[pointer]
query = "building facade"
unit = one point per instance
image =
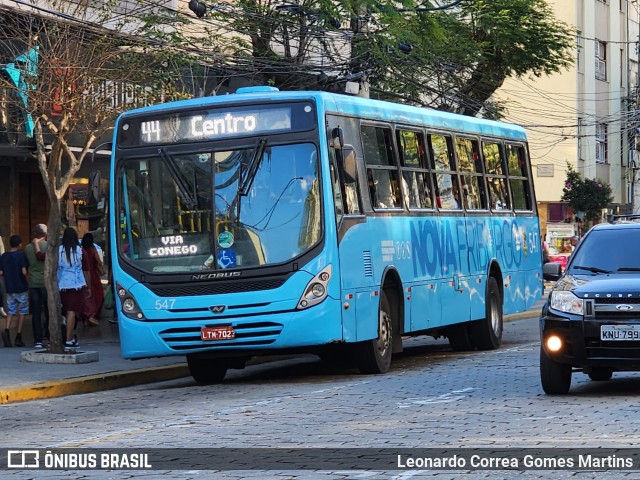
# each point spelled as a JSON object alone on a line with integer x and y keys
{"x": 584, "y": 116}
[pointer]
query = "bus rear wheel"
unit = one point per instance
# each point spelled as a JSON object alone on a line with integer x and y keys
{"x": 374, "y": 356}
{"x": 206, "y": 371}
{"x": 486, "y": 334}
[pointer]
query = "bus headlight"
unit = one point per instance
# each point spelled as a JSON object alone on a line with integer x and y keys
{"x": 130, "y": 307}
{"x": 316, "y": 290}
{"x": 567, "y": 302}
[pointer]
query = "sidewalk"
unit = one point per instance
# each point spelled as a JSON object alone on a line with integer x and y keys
{"x": 22, "y": 381}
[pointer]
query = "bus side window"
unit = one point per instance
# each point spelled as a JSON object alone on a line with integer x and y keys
{"x": 415, "y": 175}
{"x": 496, "y": 176}
{"x": 519, "y": 177}
{"x": 350, "y": 172}
{"x": 446, "y": 179}
{"x": 382, "y": 172}
{"x": 335, "y": 184}
{"x": 473, "y": 194}
{"x": 344, "y": 175}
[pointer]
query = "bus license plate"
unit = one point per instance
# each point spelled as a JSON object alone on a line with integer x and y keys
{"x": 620, "y": 332}
{"x": 217, "y": 333}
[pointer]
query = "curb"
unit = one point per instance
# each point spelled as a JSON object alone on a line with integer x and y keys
{"x": 92, "y": 383}
{"x": 534, "y": 313}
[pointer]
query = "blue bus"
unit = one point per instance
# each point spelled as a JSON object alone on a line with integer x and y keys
{"x": 275, "y": 222}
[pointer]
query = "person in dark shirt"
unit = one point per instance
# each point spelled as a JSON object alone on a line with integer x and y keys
{"x": 13, "y": 267}
{"x": 35, "y": 251}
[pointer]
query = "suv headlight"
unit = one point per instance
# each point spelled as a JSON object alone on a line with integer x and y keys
{"x": 567, "y": 302}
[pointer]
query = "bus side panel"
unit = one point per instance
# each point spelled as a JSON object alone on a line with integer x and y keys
{"x": 479, "y": 254}
{"x": 517, "y": 249}
{"x": 425, "y": 306}
{"x": 367, "y": 315}
{"x": 349, "y": 327}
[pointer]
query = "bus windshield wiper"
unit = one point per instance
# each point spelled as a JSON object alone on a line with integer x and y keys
{"x": 188, "y": 197}
{"x": 591, "y": 269}
{"x": 256, "y": 158}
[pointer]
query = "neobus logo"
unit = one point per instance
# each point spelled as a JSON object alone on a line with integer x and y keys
{"x": 213, "y": 276}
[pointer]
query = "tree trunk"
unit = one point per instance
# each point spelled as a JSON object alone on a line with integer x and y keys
{"x": 51, "y": 277}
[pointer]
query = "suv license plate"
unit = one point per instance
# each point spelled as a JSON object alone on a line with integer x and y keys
{"x": 620, "y": 332}
{"x": 217, "y": 333}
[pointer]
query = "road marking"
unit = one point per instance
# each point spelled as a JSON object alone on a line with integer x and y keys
{"x": 453, "y": 396}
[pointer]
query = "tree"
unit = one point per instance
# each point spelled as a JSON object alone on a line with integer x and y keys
{"x": 70, "y": 66}
{"x": 452, "y": 59}
{"x": 459, "y": 64}
{"x": 587, "y": 195}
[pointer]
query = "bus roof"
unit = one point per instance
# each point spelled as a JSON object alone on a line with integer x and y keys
{"x": 349, "y": 105}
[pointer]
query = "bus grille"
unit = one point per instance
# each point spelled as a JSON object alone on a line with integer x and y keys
{"x": 247, "y": 335}
{"x": 180, "y": 290}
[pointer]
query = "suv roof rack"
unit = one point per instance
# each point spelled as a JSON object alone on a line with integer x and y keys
{"x": 631, "y": 217}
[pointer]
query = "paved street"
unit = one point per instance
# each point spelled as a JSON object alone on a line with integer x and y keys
{"x": 431, "y": 398}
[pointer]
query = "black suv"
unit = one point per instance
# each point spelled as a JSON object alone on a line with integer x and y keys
{"x": 591, "y": 320}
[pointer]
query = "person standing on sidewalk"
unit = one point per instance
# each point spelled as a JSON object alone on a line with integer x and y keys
{"x": 35, "y": 252}
{"x": 3, "y": 313}
{"x": 73, "y": 279}
{"x": 13, "y": 267}
{"x": 96, "y": 271}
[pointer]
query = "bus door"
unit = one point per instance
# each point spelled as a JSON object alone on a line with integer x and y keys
{"x": 454, "y": 289}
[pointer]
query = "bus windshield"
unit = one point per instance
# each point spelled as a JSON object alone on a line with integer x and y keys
{"x": 240, "y": 208}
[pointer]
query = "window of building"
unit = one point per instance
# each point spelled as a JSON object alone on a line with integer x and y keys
{"x": 579, "y": 52}
{"x": 633, "y": 75}
{"x": 601, "y": 143}
{"x": 580, "y": 137}
{"x": 601, "y": 60}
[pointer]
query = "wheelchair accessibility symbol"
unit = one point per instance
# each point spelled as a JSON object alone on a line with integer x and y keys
{"x": 226, "y": 258}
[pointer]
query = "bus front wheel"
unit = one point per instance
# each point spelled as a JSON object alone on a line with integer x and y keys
{"x": 206, "y": 371}
{"x": 374, "y": 356}
{"x": 486, "y": 334}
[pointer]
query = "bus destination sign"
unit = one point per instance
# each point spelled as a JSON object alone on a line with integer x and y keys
{"x": 214, "y": 125}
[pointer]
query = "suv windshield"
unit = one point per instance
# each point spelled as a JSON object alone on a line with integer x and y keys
{"x": 217, "y": 210}
{"x": 607, "y": 251}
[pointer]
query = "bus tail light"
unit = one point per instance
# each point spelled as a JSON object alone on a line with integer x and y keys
{"x": 129, "y": 306}
{"x": 316, "y": 290}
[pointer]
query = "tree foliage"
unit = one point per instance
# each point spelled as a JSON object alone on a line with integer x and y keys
{"x": 452, "y": 59}
{"x": 586, "y": 195}
{"x": 71, "y": 90}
